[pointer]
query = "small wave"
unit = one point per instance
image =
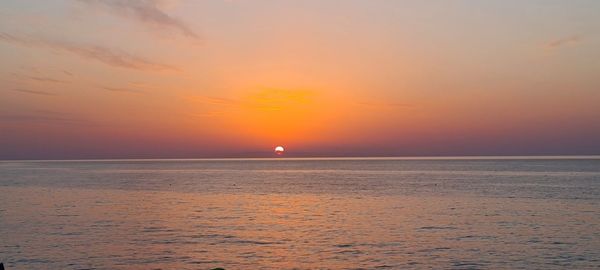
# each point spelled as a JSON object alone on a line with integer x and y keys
{"x": 437, "y": 228}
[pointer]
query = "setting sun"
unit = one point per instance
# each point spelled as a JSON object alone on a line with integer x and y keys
{"x": 279, "y": 150}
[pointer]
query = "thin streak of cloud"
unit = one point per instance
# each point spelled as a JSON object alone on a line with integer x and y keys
{"x": 30, "y": 69}
{"x": 147, "y": 11}
{"x": 215, "y": 100}
{"x": 44, "y": 79}
{"x": 45, "y": 119}
{"x": 564, "y": 41}
{"x": 139, "y": 85}
{"x": 46, "y": 112}
{"x": 124, "y": 90}
{"x": 105, "y": 55}
{"x": 38, "y": 78}
{"x": 34, "y": 92}
{"x": 208, "y": 114}
{"x": 384, "y": 104}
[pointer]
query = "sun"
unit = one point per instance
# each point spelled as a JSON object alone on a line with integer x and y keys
{"x": 279, "y": 150}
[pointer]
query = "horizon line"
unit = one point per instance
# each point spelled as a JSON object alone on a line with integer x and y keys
{"x": 458, "y": 157}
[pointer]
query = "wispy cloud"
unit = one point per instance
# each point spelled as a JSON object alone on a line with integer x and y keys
{"x": 125, "y": 90}
{"x": 277, "y": 99}
{"x": 45, "y": 79}
{"x": 208, "y": 114}
{"x": 46, "y": 117}
{"x": 51, "y": 112}
{"x": 105, "y": 55}
{"x": 383, "y": 104}
{"x": 34, "y": 92}
{"x": 38, "y": 78}
{"x": 39, "y": 118}
{"x": 564, "y": 41}
{"x": 214, "y": 100}
{"x": 146, "y": 11}
{"x": 140, "y": 85}
{"x": 214, "y": 106}
{"x": 268, "y": 99}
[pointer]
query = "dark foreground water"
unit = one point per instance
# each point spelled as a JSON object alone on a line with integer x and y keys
{"x": 301, "y": 214}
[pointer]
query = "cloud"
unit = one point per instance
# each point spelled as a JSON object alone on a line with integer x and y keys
{"x": 38, "y": 78}
{"x": 34, "y": 92}
{"x": 224, "y": 105}
{"x": 214, "y": 100}
{"x": 38, "y": 118}
{"x": 116, "y": 89}
{"x": 105, "y": 55}
{"x": 50, "y": 112}
{"x": 46, "y": 117}
{"x": 274, "y": 99}
{"x": 208, "y": 114}
{"x": 146, "y": 11}
{"x": 383, "y": 104}
{"x": 44, "y": 79}
{"x": 564, "y": 41}
{"x": 267, "y": 99}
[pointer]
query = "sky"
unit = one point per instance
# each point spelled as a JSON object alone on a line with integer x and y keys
{"x": 196, "y": 79}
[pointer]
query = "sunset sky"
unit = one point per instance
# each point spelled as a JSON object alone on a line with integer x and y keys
{"x": 184, "y": 79}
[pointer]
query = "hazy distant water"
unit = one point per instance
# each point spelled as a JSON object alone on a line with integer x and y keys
{"x": 301, "y": 214}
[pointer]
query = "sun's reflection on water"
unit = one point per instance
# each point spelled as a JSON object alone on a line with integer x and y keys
{"x": 165, "y": 229}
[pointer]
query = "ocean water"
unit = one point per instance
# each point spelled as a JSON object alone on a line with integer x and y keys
{"x": 456, "y": 213}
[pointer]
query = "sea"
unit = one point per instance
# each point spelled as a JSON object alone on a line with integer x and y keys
{"x": 302, "y": 213}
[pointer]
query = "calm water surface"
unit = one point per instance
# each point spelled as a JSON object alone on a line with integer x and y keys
{"x": 301, "y": 214}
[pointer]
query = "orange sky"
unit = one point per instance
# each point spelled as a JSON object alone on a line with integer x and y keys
{"x": 119, "y": 78}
